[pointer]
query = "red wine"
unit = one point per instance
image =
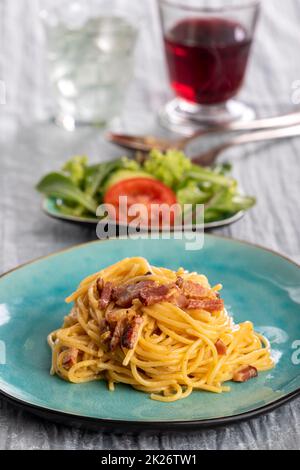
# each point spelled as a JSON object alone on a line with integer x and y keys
{"x": 207, "y": 59}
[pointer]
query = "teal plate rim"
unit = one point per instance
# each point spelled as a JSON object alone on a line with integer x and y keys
{"x": 115, "y": 425}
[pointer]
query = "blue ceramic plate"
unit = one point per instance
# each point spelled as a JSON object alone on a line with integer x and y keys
{"x": 258, "y": 285}
{"x": 50, "y": 208}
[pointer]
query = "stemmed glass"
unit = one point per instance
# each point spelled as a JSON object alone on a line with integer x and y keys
{"x": 207, "y": 45}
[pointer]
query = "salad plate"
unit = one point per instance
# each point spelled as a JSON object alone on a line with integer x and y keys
{"x": 166, "y": 180}
{"x": 258, "y": 285}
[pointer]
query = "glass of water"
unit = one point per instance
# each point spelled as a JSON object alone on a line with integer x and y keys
{"x": 90, "y": 48}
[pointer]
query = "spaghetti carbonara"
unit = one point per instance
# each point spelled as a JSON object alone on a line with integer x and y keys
{"x": 163, "y": 332}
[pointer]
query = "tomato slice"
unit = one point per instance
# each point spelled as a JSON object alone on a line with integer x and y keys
{"x": 147, "y": 192}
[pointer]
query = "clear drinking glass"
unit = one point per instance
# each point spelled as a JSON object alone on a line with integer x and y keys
{"x": 207, "y": 45}
{"x": 90, "y": 47}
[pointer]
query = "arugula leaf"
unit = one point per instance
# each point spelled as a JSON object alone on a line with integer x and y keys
{"x": 199, "y": 174}
{"x": 59, "y": 186}
{"x": 97, "y": 175}
{"x": 192, "y": 194}
{"x": 225, "y": 203}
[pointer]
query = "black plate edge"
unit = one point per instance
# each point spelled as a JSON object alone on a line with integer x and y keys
{"x": 118, "y": 426}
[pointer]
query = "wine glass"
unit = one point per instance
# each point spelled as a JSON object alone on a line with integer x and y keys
{"x": 207, "y": 52}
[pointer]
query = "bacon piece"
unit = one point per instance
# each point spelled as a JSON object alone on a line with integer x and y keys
{"x": 116, "y": 321}
{"x": 117, "y": 334}
{"x": 211, "y": 305}
{"x": 152, "y": 295}
{"x": 70, "y": 357}
{"x": 105, "y": 292}
{"x": 179, "y": 281}
{"x": 184, "y": 294}
{"x": 221, "y": 347}
{"x": 181, "y": 301}
{"x": 244, "y": 374}
{"x": 194, "y": 290}
{"x": 131, "y": 332}
{"x": 148, "y": 292}
{"x": 72, "y": 318}
{"x": 105, "y": 296}
{"x": 113, "y": 316}
{"x": 103, "y": 326}
{"x": 124, "y": 295}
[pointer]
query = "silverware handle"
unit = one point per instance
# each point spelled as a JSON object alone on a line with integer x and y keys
{"x": 275, "y": 122}
{"x": 209, "y": 157}
{"x": 290, "y": 119}
{"x": 259, "y": 136}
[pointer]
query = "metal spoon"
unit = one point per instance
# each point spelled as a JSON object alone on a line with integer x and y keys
{"x": 146, "y": 143}
{"x": 209, "y": 157}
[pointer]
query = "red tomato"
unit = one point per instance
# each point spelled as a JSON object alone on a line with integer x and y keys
{"x": 144, "y": 191}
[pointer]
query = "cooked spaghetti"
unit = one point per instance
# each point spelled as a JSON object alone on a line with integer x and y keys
{"x": 163, "y": 332}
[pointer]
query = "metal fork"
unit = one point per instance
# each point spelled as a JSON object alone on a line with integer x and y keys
{"x": 209, "y": 157}
{"x": 147, "y": 142}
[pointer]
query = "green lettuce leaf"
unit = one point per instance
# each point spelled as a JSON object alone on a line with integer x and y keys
{"x": 170, "y": 168}
{"x": 59, "y": 186}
